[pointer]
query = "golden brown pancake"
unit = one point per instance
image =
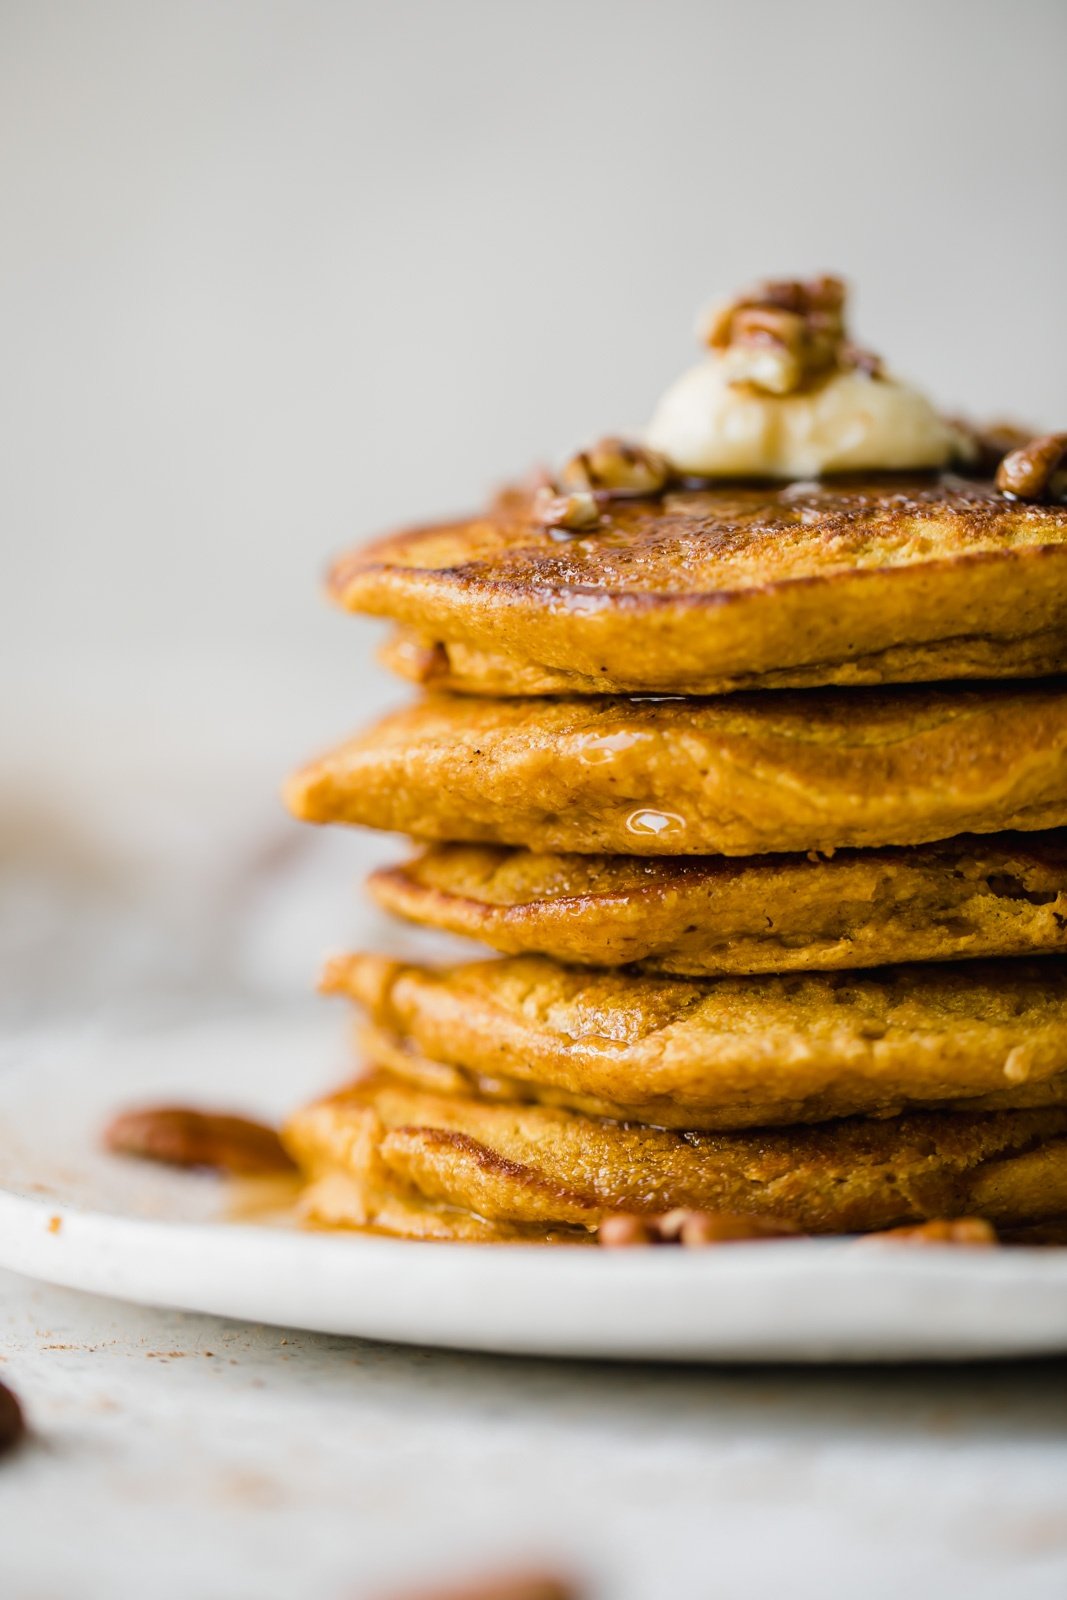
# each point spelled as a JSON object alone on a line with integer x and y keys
{"x": 847, "y": 581}
{"x": 1003, "y": 895}
{"x": 724, "y": 1052}
{"x": 741, "y": 775}
{"x": 459, "y": 668}
{"x": 382, "y": 1152}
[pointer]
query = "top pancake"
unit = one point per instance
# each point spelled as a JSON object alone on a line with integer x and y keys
{"x": 885, "y": 579}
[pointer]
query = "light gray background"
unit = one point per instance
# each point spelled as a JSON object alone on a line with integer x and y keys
{"x": 276, "y": 276}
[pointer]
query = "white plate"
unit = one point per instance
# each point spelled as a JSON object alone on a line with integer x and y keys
{"x": 72, "y": 1216}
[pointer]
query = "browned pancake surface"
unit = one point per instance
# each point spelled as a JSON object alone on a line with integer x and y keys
{"x": 871, "y": 580}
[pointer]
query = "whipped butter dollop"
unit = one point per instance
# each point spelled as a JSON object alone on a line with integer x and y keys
{"x": 782, "y": 393}
{"x": 712, "y": 427}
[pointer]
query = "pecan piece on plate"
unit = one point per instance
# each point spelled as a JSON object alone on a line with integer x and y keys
{"x": 180, "y": 1136}
{"x": 624, "y": 1229}
{"x": 12, "y": 1422}
{"x": 970, "y": 1231}
{"x": 502, "y": 1586}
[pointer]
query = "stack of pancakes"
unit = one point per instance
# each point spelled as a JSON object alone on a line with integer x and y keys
{"x": 757, "y": 791}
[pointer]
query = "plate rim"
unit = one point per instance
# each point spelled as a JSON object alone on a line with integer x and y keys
{"x": 118, "y": 1255}
{"x": 152, "y": 1236}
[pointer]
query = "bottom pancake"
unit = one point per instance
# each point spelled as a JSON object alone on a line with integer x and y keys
{"x": 384, "y": 1154}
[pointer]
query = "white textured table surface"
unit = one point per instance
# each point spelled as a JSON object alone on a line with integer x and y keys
{"x": 177, "y": 1455}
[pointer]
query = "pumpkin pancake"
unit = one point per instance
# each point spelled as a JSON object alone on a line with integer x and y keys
{"x": 1004, "y": 895}
{"x": 847, "y": 581}
{"x": 740, "y": 775}
{"x": 725, "y": 1052}
{"x": 459, "y": 668}
{"x": 398, "y": 1055}
{"x": 380, "y": 1152}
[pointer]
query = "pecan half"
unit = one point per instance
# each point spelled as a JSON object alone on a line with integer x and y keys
{"x": 505, "y": 1586}
{"x": 625, "y": 1229}
{"x": 613, "y": 469}
{"x": 577, "y": 512}
{"x": 1032, "y": 471}
{"x": 180, "y": 1136}
{"x": 787, "y": 333}
{"x": 972, "y": 1231}
{"x": 618, "y": 468}
{"x": 12, "y": 1422}
{"x": 767, "y": 350}
{"x": 721, "y": 1227}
